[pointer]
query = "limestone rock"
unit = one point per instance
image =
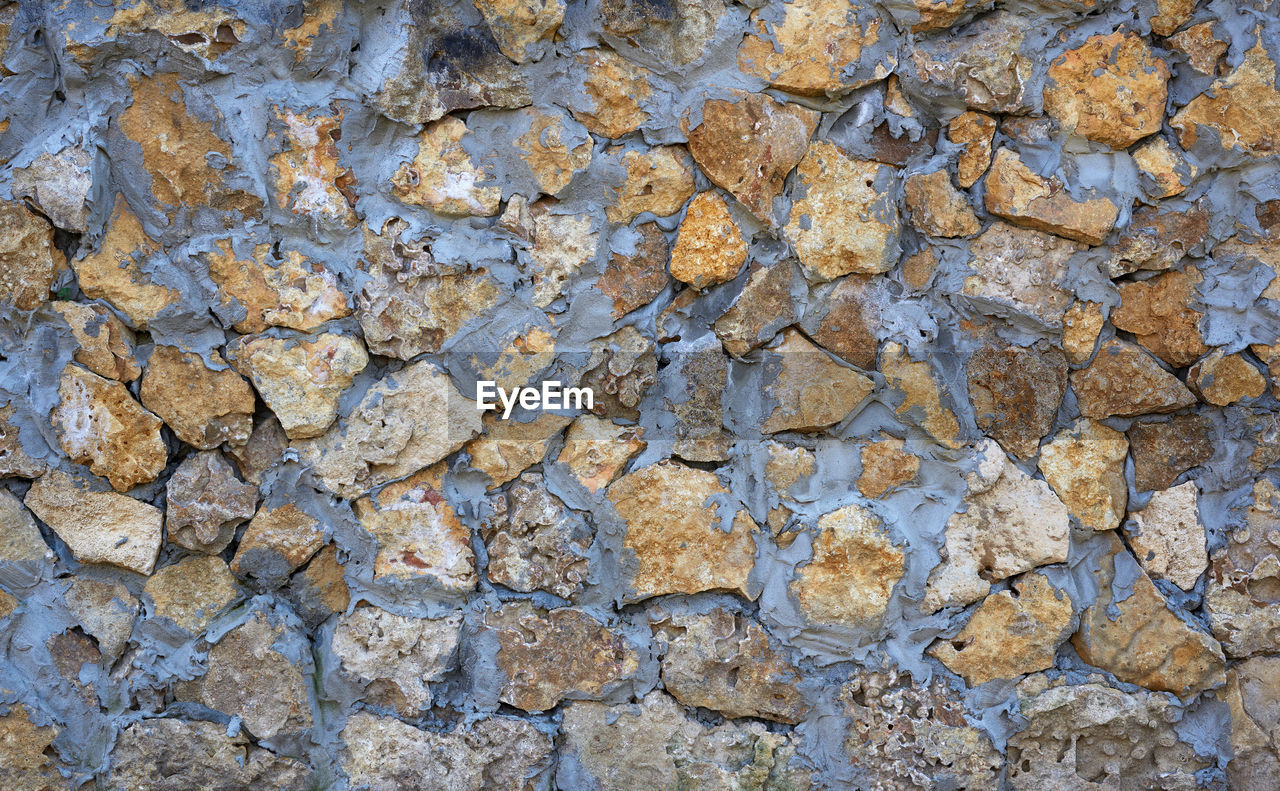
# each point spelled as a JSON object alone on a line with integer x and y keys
{"x": 1145, "y": 643}
{"x": 1093, "y": 736}
{"x": 1171, "y": 15}
{"x": 937, "y": 208}
{"x": 21, "y": 543}
{"x": 816, "y": 48}
{"x": 886, "y": 465}
{"x": 191, "y": 592}
{"x": 1242, "y": 597}
{"x": 562, "y": 245}
{"x": 1124, "y": 380}
{"x": 520, "y": 27}
{"x": 1222, "y": 379}
{"x": 276, "y": 543}
{"x": 1167, "y": 171}
{"x": 99, "y": 424}
{"x": 166, "y": 754}
{"x": 926, "y": 15}
{"x": 615, "y": 89}
{"x": 106, "y": 344}
{"x": 676, "y": 34}
{"x": 534, "y": 541}
{"x": 675, "y": 534}
{"x": 1110, "y": 89}
{"x": 659, "y": 180}
{"x": 1201, "y": 46}
{"x": 310, "y": 181}
{"x": 728, "y": 663}
{"x": 274, "y": 288}
{"x": 417, "y": 532}
{"x": 1168, "y": 537}
{"x": 709, "y": 248}
{"x": 1021, "y": 272}
{"x": 1159, "y": 314}
{"x": 975, "y": 132}
{"x": 1011, "y": 524}
{"x": 850, "y": 578}
{"x": 1084, "y": 464}
{"x": 1163, "y": 451}
{"x": 300, "y": 380}
{"x": 319, "y": 590}
{"x": 843, "y": 317}
{"x": 1158, "y": 239}
{"x": 747, "y": 147}
{"x": 845, "y": 222}
{"x": 550, "y": 655}
{"x": 983, "y": 66}
{"x": 1255, "y": 710}
{"x": 442, "y": 176}
{"x": 14, "y": 461}
{"x": 1081, "y": 325}
{"x": 634, "y": 280}
{"x": 26, "y": 753}
{"x": 206, "y": 503}
{"x": 653, "y": 744}
{"x": 554, "y": 147}
{"x": 204, "y": 406}
{"x": 58, "y": 185}
{"x": 1010, "y": 633}
{"x": 394, "y": 656}
{"x": 508, "y": 448}
{"x": 106, "y": 610}
{"x": 1023, "y": 197}
{"x": 922, "y": 400}
{"x": 98, "y": 527}
{"x": 596, "y": 450}
{"x": 385, "y": 754}
{"x": 763, "y": 308}
{"x": 905, "y": 736}
{"x": 1016, "y": 392}
{"x": 1242, "y": 108}
{"x": 114, "y": 273}
{"x": 406, "y": 421}
{"x": 786, "y": 466}
{"x": 811, "y": 391}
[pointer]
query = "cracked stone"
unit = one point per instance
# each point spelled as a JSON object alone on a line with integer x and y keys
{"x": 850, "y": 578}
{"x": 1159, "y": 314}
{"x": 164, "y": 754}
{"x": 205, "y": 503}
{"x": 1168, "y": 537}
{"x": 1167, "y": 171}
{"x": 1222, "y": 379}
{"x": 28, "y": 259}
{"x": 1023, "y": 197}
{"x": 98, "y": 527}
{"x": 815, "y": 49}
{"x": 975, "y": 132}
{"x": 100, "y": 425}
{"x": 1255, "y": 710}
{"x": 596, "y": 450}
{"x": 1016, "y": 393}
{"x": 264, "y": 448}
{"x": 1158, "y": 239}
{"x": 204, "y": 406}
{"x": 1111, "y": 89}
{"x": 191, "y": 592}
{"x": 521, "y": 27}
{"x": 811, "y": 391}
{"x": 843, "y": 317}
{"x": 319, "y": 590}
{"x": 534, "y": 541}
{"x": 508, "y": 448}
{"x": 58, "y": 185}
{"x": 1021, "y": 272}
{"x": 396, "y": 657}
{"x": 1084, "y": 464}
{"x": 1125, "y": 381}
{"x": 763, "y": 308}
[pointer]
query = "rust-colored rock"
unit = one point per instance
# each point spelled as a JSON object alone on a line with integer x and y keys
{"x": 596, "y": 450}
{"x": 442, "y": 176}
{"x": 1203, "y": 48}
{"x": 658, "y": 180}
{"x": 763, "y": 308}
{"x": 1084, "y": 463}
{"x": 1016, "y": 393}
{"x": 1110, "y": 89}
{"x": 1221, "y": 379}
{"x": 850, "y": 578}
{"x": 1242, "y": 108}
{"x": 106, "y": 344}
{"x": 274, "y": 288}
{"x": 709, "y": 248}
{"x": 521, "y": 27}
{"x": 1081, "y": 325}
{"x": 937, "y": 208}
{"x": 1159, "y": 314}
{"x": 1163, "y": 451}
{"x": 615, "y": 91}
{"x": 1171, "y": 15}
{"x": 554, "y": 147}
{"x": 1158, "y": 239}
{"x": 974, "y": 131}
{"x": 99, "y": 424}
{"x": 509, "y": 447}
{"x": 1023, "y": 197}
{"x": 634, "y": 280}
{"x": 886, "y": 465}
{"x": 922, "y": 395}
{"x": 843, "y": 317}
{"x": 28, "y": 259}
{"x": 114, "y": 271}
{"x": 814, "y": 48}
{"x": 204, "y": 406}
{"x": 310, "y": 181}
{"x": 1125, "y": 381}
{"x": 1166, "y": 170}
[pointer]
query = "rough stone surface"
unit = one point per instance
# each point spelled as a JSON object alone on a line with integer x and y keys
{"x": 1023, "y": 197}
{"x": 1084, "y": 463}
{"x": 1081, "y": 325}
{"x": 1157, "y": 239}
{"x": 1168, "y": 537}
{"x": 922, "y": 397}
{"x": 442, "y": 176}
{"x": 1021, "y": 273}
{"x": 1015, "y": 393}
{"x": 191, "y": 592}
{"x": 634, "y": 280}
{"x": 1166, "y": 167}
{"x": 508, "y": 448}
{"x": 984, "y": 67}
{"x": 763, "y": 307}
{"x": 844, "y": 316}
{"x": 851, "y": 576}
{"x": 709, "y": 248}
{"x": 174, "y": 754}
{"x": 534, "y": 541}
{"x": 100, "y": 425}
{"x": 58, "y": 186}
{"x": 658, "y": 180}
{"x": 28, "y": 258}
{"x": 1124, "y": 380}
{"x": 98, "y": 527}
{"x": 276, "y": 543}
{"x": 1111, "y": 89}
{"x": 937, "y": 208}
{"x": 1164, "y": 450}
{"x": 811, "y": 390}
{"x": 886, "y": 466}
{"x": 1251, "y": 696}
{"x": 1160, "y": 315}
{"x": 1222, "y": 379}
{"x": 205, "y": 503}
{"x": 814, "y": 48}
{"x": 113, "y": 271}
{"x": 106, "y": 344}
{"x": 14, "y": 461}
{"x": 394, "y": 656}
{"x": 596, "y": 450}
{"x": 615, "y": 89}
{"x": 204, "y": 406}
{"x": 1244, "y": 577}
{"x": 274, "y": 288}
{"x": 975, "y": 132}
{"x": 1241, "y": 108}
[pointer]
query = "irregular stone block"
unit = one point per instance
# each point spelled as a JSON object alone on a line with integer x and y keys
{"x": 1016, "y": 393}
{"x": 1242, "y": 597}
{"x": 1021, "y": 272}
{"x": 1159, "y": 314}
{"x": 100, "y": 425}
{"x": 709, "y": 247}
{"x": 811, "y": 391}
{"x": 206, "y": 503}
{"x": 534, "y": 541}
{"x": 395, "y": 656}
{"x": 175, "y": 755}
{"x": 204, "y": 406}
{"x": 191, "y": 592}
{"x": 98, "y": 527}
{"x": 1023, "y": 197}
{"x": 1084, "y": 463}
{"x": 922, "y": 396}
{"x": 274, "y": 288}
{"x": 1110, "y": 89}
{"x": 106, "y": 344}
{"x": 276, "y": 543}
{"x": 854, "y": 568}
{"x": 1125, "y": 381}
{"x": 1242, "y": 108}
{"x": 816, "y": 49}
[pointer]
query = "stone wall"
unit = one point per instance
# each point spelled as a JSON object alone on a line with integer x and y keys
{"x": 936, "y": 346}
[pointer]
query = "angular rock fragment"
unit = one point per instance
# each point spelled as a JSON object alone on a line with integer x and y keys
{"x": 395, "y": 656}
{"x": 165, "y": 754}
{"x": 1016, "y": 393}
{"x": 442, "y": 176}
{"x": 106, "y": 344}
{"x": 562, "y": 245}
{"x": 58, "y": 185}
{"x": 1081, "y": 325}
{"x": 1158, "y": 239}
{"x": 843, "y": 317}
{"x": 886, "y": 465}
{"x": 205, "y": 503}
{"x": 508, "y": 447}
{"x": 763, "y": 308}
{"x": 1166, "y": 170}
{"x": 850, "y": 578}
{"x": 974, "y": 131}
{"x": 1023, "y": 197}
{"x": 1242, "y": 597}
{"x": 98, "y": 527}
{"x": 534, "y": 541}
{"x": 319, "y": 590}
{"x": 106, "y": 610}
{"x": 14, "y": 461}
{"x": 1222, "y": 379}
{"x": 596, "y": 450}
{"x": 276, "y": 543}
{"x": 815, "y": 49}
{"x": 1124, "y": 380}
{"x": 28, "y": 259}
{"x": 709, "y": 248}
{"x": 1159, "y": 314}
{"x": 310, "y": 181}
{"x": 100, "y": 425}
{"x": 1168, "y": 537}
{"x": 1202, "y": 47}
{"x": 1163, "y": 451}
{"x": 615, "y": 89}
{"x": 937, "y": 208}
{"x": 633, "y": 280}
{"x": 1084, "y": 463}
{"x": 519, "y": 28}
{"x": 786, "y": 466}
{"x": 191, "y": 592}
{"x": 1255, "y": 710}
{"x": 1110, "y": 89}
{"x": 204, "y": 406}
{"x": 274, "y": 288}
{"x": 811, "y": 391}
{"x": 1242, "y": 109}
{"x": 675, "y": 35}
{"x": 658, "y": 180}
{"x": 1021, "y": 272}
{"x": 673, "y": 516}
{"x": 922, "y": 400}
{"x": 983, "y": 66}
{"x": 300, "y": 380}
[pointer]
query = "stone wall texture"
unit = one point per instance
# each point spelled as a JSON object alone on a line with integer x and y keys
{"x": 936, "y": 354}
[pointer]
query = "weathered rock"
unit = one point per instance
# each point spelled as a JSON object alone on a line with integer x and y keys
{"x": 310, "y": 181}
{"x": 27, "y": 761}
{"x": 786, "y": 466}
{"x": 634, "y": 280}
{"x": 728, "y": 663}
{"x": 14, "y": 461}
{"x": 1124, "y": 380}
{"x": 320, "y": 590}
{"x": 418, "y": 533}
{"x": 886, "y": 465}
{"x": 1156, "y": 239}
{"x": 937, "y": 208}
{"x": 1092, "y": 736}
{"x": 508, "y": 448}
{"x": 191, "y": 592}
{"x": 1242, "y": 597}
{"x": 843, "y": 317}
{"x": 845, "y": 221}
{"x": 175, "y": 755}
{"x": 1022, "y": 273}
{"x": 1110, "y": 89}
{"x": 1010, "y": 633}
{"x": 1084, "y": 464}
{"x": 1011, "y": 524}
{"x": 1222, "y": 379}
{"x": 653, "y": 744}
{"x": 850, "y": 578}
{"x": 1159, "y": 314}
{"x": 534, "y": 541}
{"x": 1023, "y": 197}
{"x": 300, "y": 380}
{"x": 550, "y": 655}
{"x": 762, "y": 309}
{"x": 1016, "y": 393}
{"x": 395, "y": 657}
{"x": 1130, "y": 632}
{"x": 1171, "y": 15}
{"x": 205, "y": 406}
{"x": 406, "y": 421}
{"x": 98, "y": 527}
{"x": 99, "y": 424}
{"x": 676, "y": 34}
{"x": 905, "y": 736}
{"x": 276, "y": 543}
{"x": 747, "y": 147}
{"x": 675, "y": 533}
{"x": 1163, "y": 451}
{"x": 815, "y": 49}
{"x": 21, "y": 543}
{"x": 385, "y": 754}
{"x": 811, "y": 391}
{"x": 1242, "y": 108}
{"x": 614, "y": 90}
{"x": 562, "y": 245}
{"x": 274, "y": 288}
{"x": 922, "y": 401}
{"x": 983, "y": 66}
{"x": 1255, "y": 710}
{"x": 1167, "y": 171}
{"x": 442, "y": 176}
{"x": 658, "y": 180}
{"x": 1201, "y": 46}
{"x": 205, "y": 503}
{"x": 1168, "y": 537}
{"x": 58, "y": 185}
{"x": 709, "y": 248}
{"x": 106, "y": 344}
{"x": 596, "y": 450}
{"x": 554, "y": 147}
{"x": 975, "y": 132}
{"x": 106, "y": 610}
{"x": 1081, "y": 325}
{"x": 520, "y": 28}
{"x": 114, "y": 273}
